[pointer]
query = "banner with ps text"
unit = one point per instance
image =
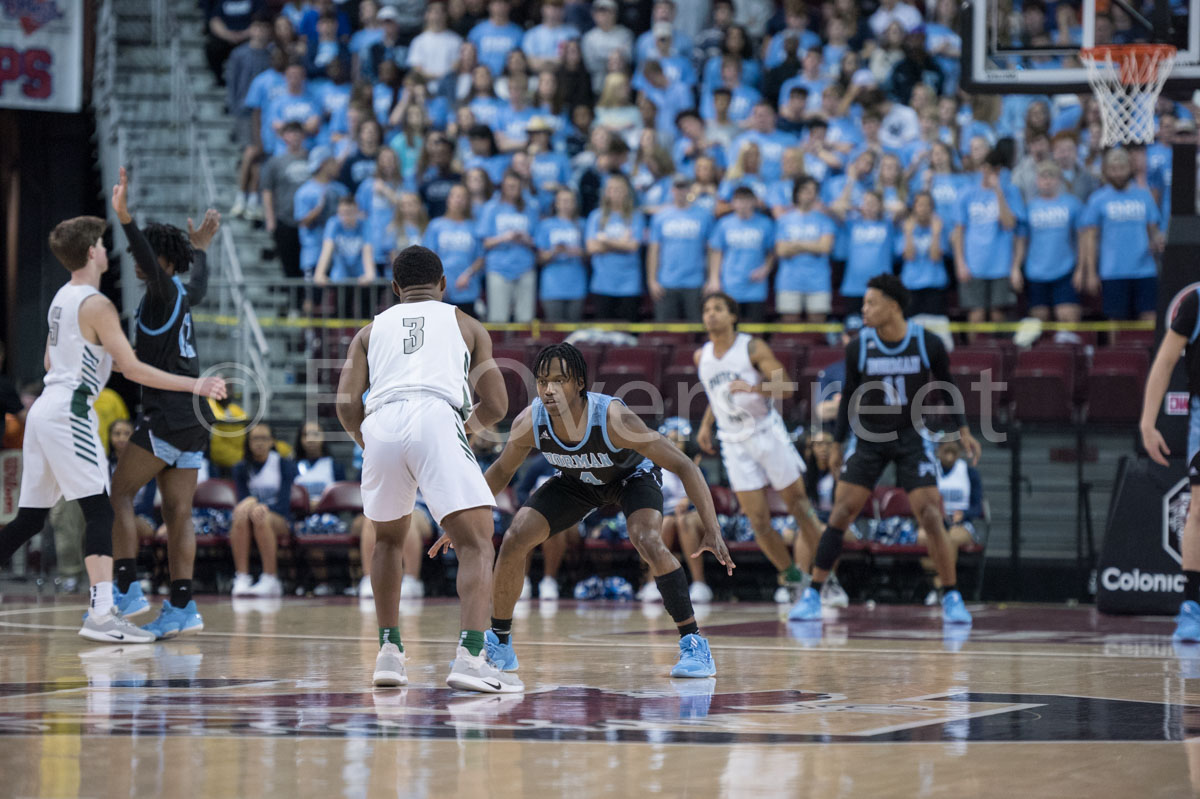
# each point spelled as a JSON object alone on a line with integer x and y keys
{"x": 41, "y": 54}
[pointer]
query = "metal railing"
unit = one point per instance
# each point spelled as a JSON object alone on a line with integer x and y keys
{"x": 227, "y": 294}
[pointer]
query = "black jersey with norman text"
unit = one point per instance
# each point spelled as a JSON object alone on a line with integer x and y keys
{"x": 891, "y": 375}
{"x": 594, "y": 460}
{"x": 165, "y": 337}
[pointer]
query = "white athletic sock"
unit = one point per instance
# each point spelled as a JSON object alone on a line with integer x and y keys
{"x": 102, "y": 598}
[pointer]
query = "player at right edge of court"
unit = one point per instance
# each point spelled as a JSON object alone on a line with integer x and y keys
{"x": 890, "y": 365}
{"x": 1180, "y": 339}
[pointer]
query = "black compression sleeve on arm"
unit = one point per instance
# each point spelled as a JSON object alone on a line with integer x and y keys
{"x": 198, "y": 283}
{"x": 159, "y": 286}
{"x": 849, "y": 386}
{"x": 939, "y": 366}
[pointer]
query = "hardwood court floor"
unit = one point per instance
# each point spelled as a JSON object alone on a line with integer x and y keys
{"x": 276, "y": 701}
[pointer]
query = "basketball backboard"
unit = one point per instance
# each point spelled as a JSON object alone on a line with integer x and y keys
{"x": 1010, "y": 47}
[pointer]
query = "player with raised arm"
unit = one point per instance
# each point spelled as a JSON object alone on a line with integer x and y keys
{"x": 172, "y": 431}
{"x": 420, "y": 360}
{"x": 892, "y": 366}
{"x": 605, "y": 455}
{"x": 62, "y": 453}
{"x": 743, "y": 379}
{"x": 1180, "y": 340}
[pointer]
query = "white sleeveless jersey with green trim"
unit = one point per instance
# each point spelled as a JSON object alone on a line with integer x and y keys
{"x": 78, "y": 368}
{"x": 417, "y": 349}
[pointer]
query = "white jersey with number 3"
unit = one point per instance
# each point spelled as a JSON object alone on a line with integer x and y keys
{"x": 416, "y": 349}
{"x": 738, "y": 415}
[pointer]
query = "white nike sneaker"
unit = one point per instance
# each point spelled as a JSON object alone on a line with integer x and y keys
{"x": 365, "y": 591}
{"x": 412, "y": 588}
{"x": 242, "y": 583}
{"x": 239, "y": 207}
{"x": 649, "y": 593}
{"x": 526, "y": 589}
{"x": 389, "y": 667}
{"x": 475, "y": 673}
{"x": 548, "y": 588}
{"x": 267, "y": 585}
{"x": 113, "y": 627}
{"x": 700, "y": 593}
{"x": 254, "y": 209}
{"x": 783, "y": 595}
{"x": 833, "y": 595}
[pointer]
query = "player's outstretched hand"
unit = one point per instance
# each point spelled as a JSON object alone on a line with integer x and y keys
{"x": 711, "y": 541}
{"x": 120, "y": 198}
{"x": 441, "y": 545}
{"x": 1156, "y": 446}
{"x": 213, "y": 387}
{"x": 202, "y": 237}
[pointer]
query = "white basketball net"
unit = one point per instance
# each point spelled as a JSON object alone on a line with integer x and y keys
{"x": 1127, "y": 82}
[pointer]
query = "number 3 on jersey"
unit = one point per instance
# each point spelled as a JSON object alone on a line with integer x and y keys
{"x": 416, "y": 334}
{"x": 893, "y": 390}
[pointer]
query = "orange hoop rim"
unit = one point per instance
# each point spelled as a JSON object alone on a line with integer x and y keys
{"x": 1130, "y": 58}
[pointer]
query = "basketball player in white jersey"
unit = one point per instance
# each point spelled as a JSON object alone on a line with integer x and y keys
{"x": 419, "y": 361}
{"x": 742, "y": 379}
{"x": 61, "y": 453}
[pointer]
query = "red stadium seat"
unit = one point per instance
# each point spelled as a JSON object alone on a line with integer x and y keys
{"x": 894, "y": 502}
{"x": 1042, "y": 387}
{"x": 299, "y": 501}
{"x": 669, "y": 340}
{"x": 724, "y": 500}
{"x": 967, "y": 366}
{"x": 682, "y": 394}
{"x": 341, "y": 497}
{"x": 638, "y": 360}
{"x": 783, "y": 341}
{"x": 216, "y": 494}
{"x": 1115, "y": 383}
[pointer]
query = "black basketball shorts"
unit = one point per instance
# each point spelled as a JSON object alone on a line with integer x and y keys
{"x": 564, "y": 501}
{"x": 916, "y": 466}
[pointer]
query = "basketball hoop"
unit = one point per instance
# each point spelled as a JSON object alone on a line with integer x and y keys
{"x": 1127, "y": 79}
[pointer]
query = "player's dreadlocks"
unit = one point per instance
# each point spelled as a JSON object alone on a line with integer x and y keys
{"x": 574, "y": 366}
{"x": 171, "y": 243}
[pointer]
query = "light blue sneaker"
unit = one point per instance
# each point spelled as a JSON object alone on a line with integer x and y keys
{"x": 173, "y": 621}
{"x": 808, "y": 608}
{"x": 133, "y": 602}
{"x": 695, "y": 659}
{"x": 953, "y": 609}
{"x": 502, "y": 656}
{"x": 1187, "y": 623}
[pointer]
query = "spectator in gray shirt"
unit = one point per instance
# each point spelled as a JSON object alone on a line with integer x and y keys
{"x": 1064, "y": 149}
{"x": 603, "y": 39}
{"x": 281, "y": 176}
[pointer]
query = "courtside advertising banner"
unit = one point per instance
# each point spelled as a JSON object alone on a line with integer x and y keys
{"x": 41, "y": 54}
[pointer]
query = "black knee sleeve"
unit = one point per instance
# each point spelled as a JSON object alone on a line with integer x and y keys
{"x": 28, "y": 523}
{"x": 98, "y": 525}
{"x": 830, "y": 548}
{"x": 674, "y": 590}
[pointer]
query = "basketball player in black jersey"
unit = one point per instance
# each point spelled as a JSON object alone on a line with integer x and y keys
{"x": 1180, "y": 339}
{"x": 891, "y": 365}
{"x": 605, "y": 455}
{"x": 172, "y": 432}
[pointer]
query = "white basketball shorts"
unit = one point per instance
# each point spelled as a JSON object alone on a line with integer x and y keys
{"x": 419, "y": 443}
{"x": 766, "y": 457}
{"x": 61, "y": 455}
